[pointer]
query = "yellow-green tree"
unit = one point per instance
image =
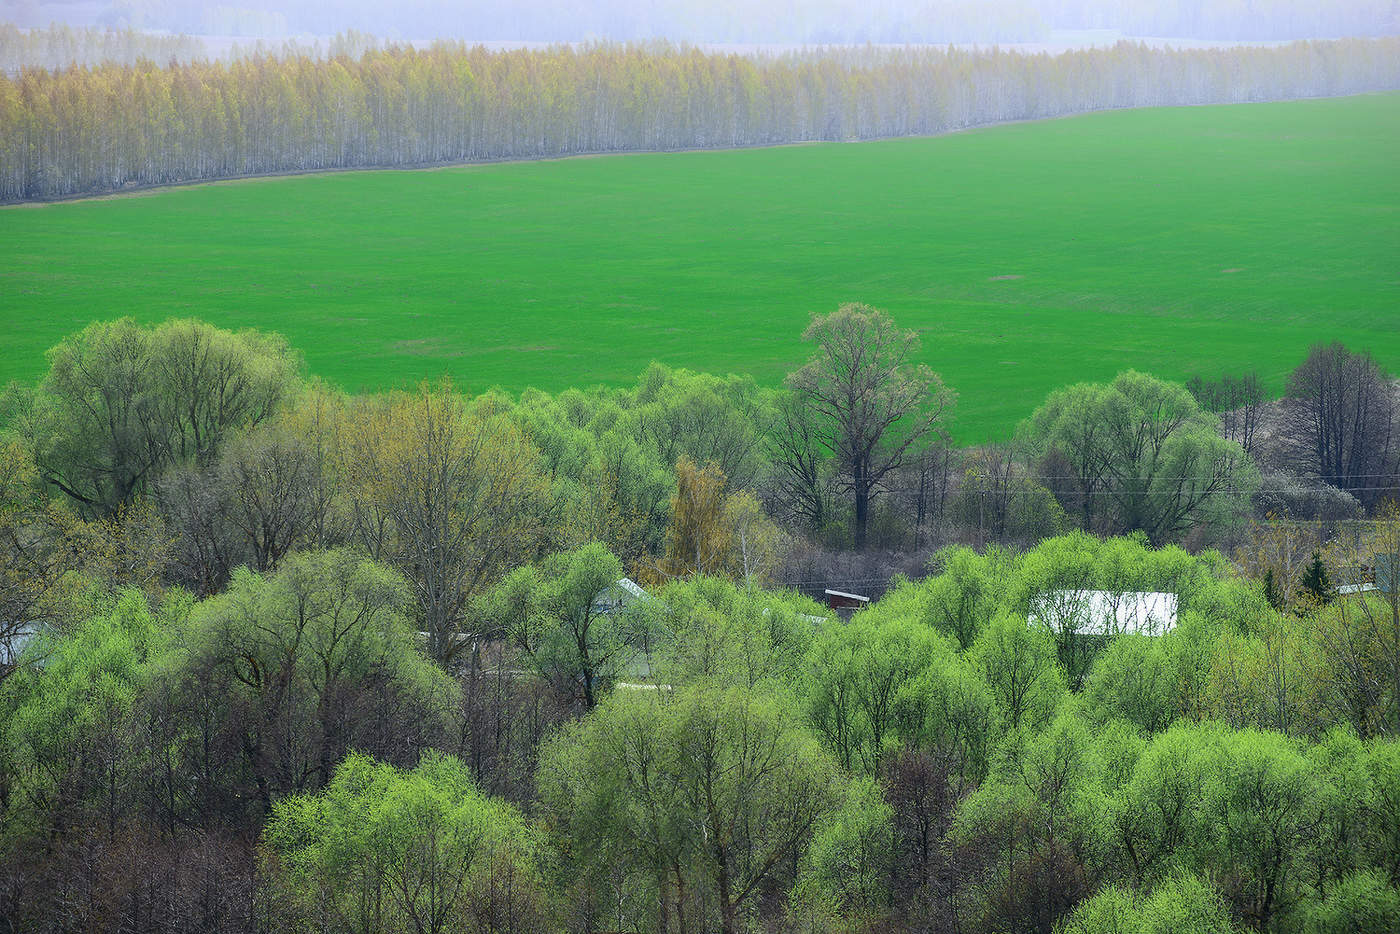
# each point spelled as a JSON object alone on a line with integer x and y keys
{"x": 712, "y": 532}
{"x": 450, "y": 493}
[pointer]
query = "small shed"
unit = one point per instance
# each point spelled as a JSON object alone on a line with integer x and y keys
{"x": 845, "y": 603}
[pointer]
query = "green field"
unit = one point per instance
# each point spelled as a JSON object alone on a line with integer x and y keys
{"x": 1029, "y": 256}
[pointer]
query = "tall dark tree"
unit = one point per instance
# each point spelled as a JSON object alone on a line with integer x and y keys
{"x": 797, "y": 453}
{"x": 874, "y": 404}
{"x": 1343, "y": 420}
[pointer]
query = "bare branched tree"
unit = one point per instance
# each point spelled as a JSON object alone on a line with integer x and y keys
{"x": 874, "y": 403}
{"x": 1341, "y": 421}
{"x": 1237, "y": 400}
{"x": 451, "y": 496}
{"x": 795, "y": 447}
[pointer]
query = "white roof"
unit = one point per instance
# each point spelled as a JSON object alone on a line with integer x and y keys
{"x": 618, "y": 595}
{"x": 633, "y": 588}
{"x": 1357, "y": 588}
{"x": 814, "y": 620}
{"x": 1106, "y": 612}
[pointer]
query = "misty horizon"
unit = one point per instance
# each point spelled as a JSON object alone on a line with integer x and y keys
{"x": 1042, "y": 25}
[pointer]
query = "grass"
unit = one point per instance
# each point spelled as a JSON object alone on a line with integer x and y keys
{"x": 1029, "y": 256}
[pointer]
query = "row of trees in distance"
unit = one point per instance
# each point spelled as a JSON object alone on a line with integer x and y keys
{"x": 85, "y": 130}
{"x": 61, "y": 47}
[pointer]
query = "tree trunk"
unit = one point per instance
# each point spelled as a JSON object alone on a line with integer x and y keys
{"x": 861, "y": 487}
{"x": 728, "y": 915}
{"x": 680, "y": 899}
{"x": 585, "y": 667}
{"x": 663, "y": 905}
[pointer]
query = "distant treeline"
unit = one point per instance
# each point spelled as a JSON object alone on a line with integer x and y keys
{"x": 61, "y": 46}
{"x": 58, "y": 47}
{"x": 93, "y": 130}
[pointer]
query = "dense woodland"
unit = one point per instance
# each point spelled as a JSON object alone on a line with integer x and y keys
{"x": 279, "y": 658}
{"x": 86, "y": 130}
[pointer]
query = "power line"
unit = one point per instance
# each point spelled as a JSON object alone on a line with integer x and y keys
{"x": 841, "y": 580}
{"x": 1099, "y": 489}
{"x": 1389, "y": 475}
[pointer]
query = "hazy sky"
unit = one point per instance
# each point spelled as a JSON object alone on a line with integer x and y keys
{"x": 756, "y": 21}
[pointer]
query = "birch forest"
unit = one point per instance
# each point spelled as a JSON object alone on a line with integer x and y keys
{"x": 86, "y": 130}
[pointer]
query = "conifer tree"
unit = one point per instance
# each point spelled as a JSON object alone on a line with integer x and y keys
{"x": 1316, "y": 582}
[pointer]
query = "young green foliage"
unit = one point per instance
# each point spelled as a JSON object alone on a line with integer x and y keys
{"x": 693, "y": 802}
{"x": 383, "y": 851}
{"x": 295, "y": 668}
{"x": 566, "y": 616}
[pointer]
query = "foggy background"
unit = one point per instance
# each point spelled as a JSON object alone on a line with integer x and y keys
{"x": 1053, "y": 23}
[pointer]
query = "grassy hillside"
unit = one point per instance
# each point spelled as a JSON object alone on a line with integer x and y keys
{"x": 1175, "y": 241}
